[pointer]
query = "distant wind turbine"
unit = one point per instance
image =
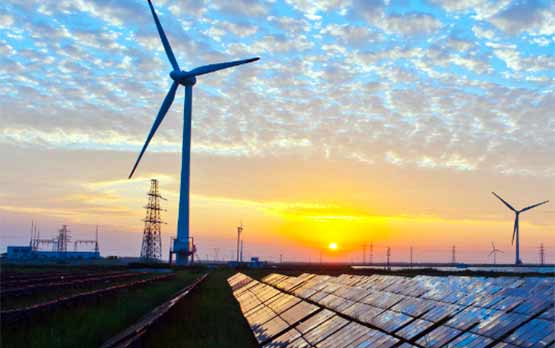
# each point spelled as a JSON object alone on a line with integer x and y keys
{"x": 494, "y": 252}
{"x": 516, "y": 229}
{"x": 187, "y": 79}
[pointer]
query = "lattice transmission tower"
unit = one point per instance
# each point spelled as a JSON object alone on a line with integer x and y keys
{"x": 152, "y": 236}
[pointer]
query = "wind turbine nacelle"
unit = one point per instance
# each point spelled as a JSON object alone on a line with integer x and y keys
{"x": 183, "y": 78}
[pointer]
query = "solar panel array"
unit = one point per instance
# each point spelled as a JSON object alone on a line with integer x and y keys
{"x": 351, "y": 311}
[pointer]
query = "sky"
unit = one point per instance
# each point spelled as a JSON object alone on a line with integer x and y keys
{"x": 376, "y": 121}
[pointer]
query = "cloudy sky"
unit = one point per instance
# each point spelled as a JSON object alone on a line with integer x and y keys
{"x": 364, "y": 121}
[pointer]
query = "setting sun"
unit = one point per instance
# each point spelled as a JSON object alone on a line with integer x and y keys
{"x": 332, "y": 246}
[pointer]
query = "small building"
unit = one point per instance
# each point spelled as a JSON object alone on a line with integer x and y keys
{"x": 27, "y": 253}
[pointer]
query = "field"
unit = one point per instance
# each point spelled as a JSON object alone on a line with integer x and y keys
{"x": 76, "y": 315}
{"x": 90, "y": 322}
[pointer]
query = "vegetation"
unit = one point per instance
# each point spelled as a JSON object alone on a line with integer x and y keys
{"x": 209, "y": 318}
{"x": 91, "y": 324}
{"x": 11, "y": 302}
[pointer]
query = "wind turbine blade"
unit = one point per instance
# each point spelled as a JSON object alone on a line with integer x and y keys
{"x": 164, "y": 39}
{"x": 515, "y": 229}
{"x": 491, "y": 252}
{"x": 533, "y": 206}
{"x": 500, "y": 251}
{"x": 205, "y": 69}
{"x": 504, "y": 202}
{"x": 492, "y": 246}
{"x": 161, "y": 114}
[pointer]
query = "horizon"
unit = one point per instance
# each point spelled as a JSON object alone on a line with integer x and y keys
{"x": 387, "y": 122}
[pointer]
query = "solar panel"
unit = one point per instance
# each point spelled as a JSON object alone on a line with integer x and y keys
{"x": 549, "y": 314}
{"x": 424, "y": 311}
{"x": 498, "y": 325}
{"x": 344, "y": 336}
{"x": 298, "y": 312}
{"x": 284, "y": 340}
{"x": 322, "y": 331}
{"x": 415, "y": 329}
{"x": 536, "y": 333}
{"x": 471, "y": 316}
{"x": 362, "y": 312}
{"x": 504, "y": 345}
{"x": 314, "y": 321}
{"x": 299, "y": 343}
{"x": 407, "y": 345}
{"x": 391, "y": 321}
{"x": 283, "y": 303}
{"x": 470, "y": 340}
{"x": 439, "y": 337}
{"x": 269, "y": 329}
{"x": 413, "y": 306}
{"x": 532, "y": 305}
{"x": 508, "y": 303}
{"x": 441, "y": 311}
{"x": 373, "y": 339}
{"x": 383, "y": 300}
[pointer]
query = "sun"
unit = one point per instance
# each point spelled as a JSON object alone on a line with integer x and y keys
{"x": 332, "y": 246}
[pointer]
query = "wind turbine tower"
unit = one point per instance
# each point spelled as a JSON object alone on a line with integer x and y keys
{"x": 239, "y": 242}
{"x": 516, "y": 232}
{"x": 188, "y": 80}
{"x": 494, "y": 252}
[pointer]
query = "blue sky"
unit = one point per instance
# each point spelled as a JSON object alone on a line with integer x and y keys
{"x": 446, "y": 88}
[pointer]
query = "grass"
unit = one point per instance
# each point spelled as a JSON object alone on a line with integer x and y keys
{"x": 89, "y": 325}
{"x": 11, "y": 302}
{"x": 210, "y": 317}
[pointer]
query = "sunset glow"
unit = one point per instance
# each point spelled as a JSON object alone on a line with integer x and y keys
{"x": 332, "y": 246}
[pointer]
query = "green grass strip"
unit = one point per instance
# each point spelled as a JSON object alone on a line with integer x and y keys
{"x": 210, "y": 317}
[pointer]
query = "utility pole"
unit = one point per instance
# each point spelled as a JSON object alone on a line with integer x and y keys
{"x": 96, "y": 240}
{"x": 371, "y": 252}
{"x": 364, "y": 253}
{"x": 239, "y": 230}
{"x": 280, "y": 258}
{"x": 388, "y": 253}
{"x": 241, "y": 258}
{"x": 453, "y": 255}
{"x": 542, "y": 254}
{"x": 411, "y": 257}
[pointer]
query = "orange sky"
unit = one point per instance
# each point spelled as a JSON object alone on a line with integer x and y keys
{"x": 290, "y": 206}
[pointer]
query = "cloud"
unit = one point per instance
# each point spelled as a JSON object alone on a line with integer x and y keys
{"x": 410, "y": 24}
{"x": 531, "y": 16}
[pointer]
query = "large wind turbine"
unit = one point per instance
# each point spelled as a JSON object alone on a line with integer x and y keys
{"x": 494, "y": 251}
{"x": 187, "y": 79}
{"x": 516, "y": 229}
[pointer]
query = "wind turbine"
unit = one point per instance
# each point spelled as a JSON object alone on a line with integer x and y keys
{"x": 494, "y": 251}
{"x": 187, "y": 79}
{"x": 516, "y": 229}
